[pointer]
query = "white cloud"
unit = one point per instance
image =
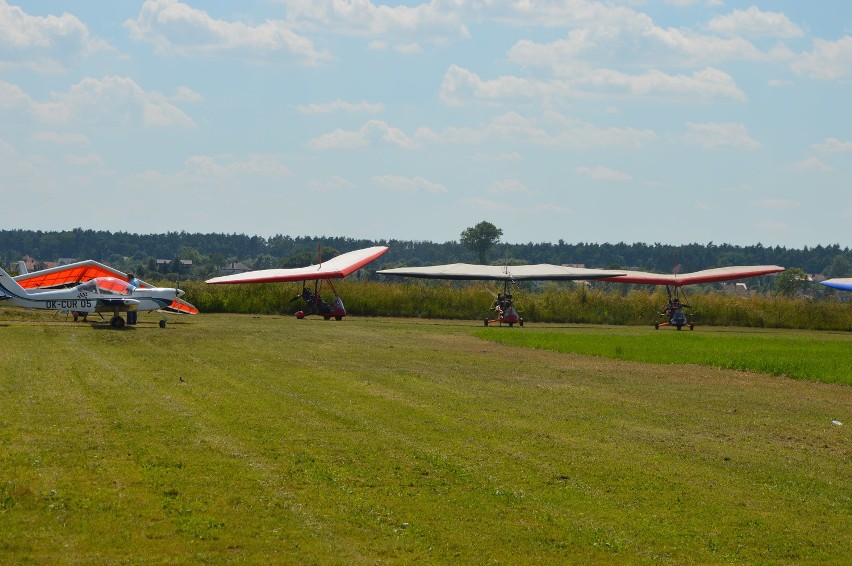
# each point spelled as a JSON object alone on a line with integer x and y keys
{"x": 715, "y": 135}
{"x": 340, "y": 106}
{"x": 812, "y": 164}
{"x": 371, "y": 133}
{"x": 88, "y": 160}
{"x": 600, "y": 173}
{"x": 220, "y": 171}
{"x": 409, "y": 48}
{"x": 549, "y": 208}
{"x": 461, "y": 86}
{"x": 408, "y": 184}
{"x": 603, "y": 35}
{"x": 121, "y": 100}
{"x": 833, "y": 145}
{"x": 333, "y": 183}
{"x": 43, "y": 43}
{"x": 741, "y": 188}
{"x": 557, "y": 131}
{"x": 59, "y": 138}
{"x": 508, "y": 186}
{"x": 497, "y": 157}
{"x": 779, "y": 83}
{"x": 12, "y": 97}
{"x": 828, "y": 60}
{"x": 490, "y": 206}
{"x": 434, "y": 21}
{"x": 173, "y": 27}
{"x": 486, "y": 205}
{"x": 777, "y": 203}
{"x": 753, "y": 22}
{"x": 186, "y": 94}
{"x": 771, "y": 226}
{"x": 115, "y": 100}
{"x": 706, "y": 83}
{"x": 6, "y": 148}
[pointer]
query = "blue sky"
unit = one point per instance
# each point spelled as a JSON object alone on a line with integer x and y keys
{"x": 671, "y": 121}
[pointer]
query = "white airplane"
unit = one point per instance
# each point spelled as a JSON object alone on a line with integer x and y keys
{"x": 100, "y": 294}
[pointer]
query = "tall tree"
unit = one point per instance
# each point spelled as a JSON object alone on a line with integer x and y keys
{"x": 481, "y": 238}
{"x": 791, "y": 282}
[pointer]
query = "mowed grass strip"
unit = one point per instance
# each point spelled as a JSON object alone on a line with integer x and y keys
{"x": 819, "y": 356}
{"x": 267, "y": 439}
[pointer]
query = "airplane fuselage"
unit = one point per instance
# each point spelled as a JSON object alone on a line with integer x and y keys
{"x": 74, "y": 300}
{"x": 97, "y": 295}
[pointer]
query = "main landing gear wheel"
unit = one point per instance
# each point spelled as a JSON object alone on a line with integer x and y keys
{"x": 485, "y": 321}
{"x": 116, "y": 322}
{"x": 521, "y": 322}
{"x": 656, "y": 326}
{"x": 163, "y": 323}
{"x": 691, "y": 326}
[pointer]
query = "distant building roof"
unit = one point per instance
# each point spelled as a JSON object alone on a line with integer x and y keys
{"x": 235, "y": 267}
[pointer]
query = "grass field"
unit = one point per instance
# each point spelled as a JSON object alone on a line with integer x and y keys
{"x": 818, "y": 356}
{"x": 265, "y": 439}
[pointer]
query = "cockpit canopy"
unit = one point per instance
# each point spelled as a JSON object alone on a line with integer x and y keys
{"x": 107, "y": 286}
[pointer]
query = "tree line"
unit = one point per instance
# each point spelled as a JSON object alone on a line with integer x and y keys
{"x": 210, "y": 252}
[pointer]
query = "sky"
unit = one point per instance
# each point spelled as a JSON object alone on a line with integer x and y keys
{"x": 670, "y": 121}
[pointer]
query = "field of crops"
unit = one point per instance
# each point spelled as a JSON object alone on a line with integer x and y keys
{"x": 550, "y": 302}
{"x": 266, "y": 439}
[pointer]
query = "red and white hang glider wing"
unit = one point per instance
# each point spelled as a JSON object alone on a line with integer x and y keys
{"x": 67, "y": 275}
{"x": 706, "y": 276}
{"x": 467, "y": 271}
{"x": 335, "y": 268}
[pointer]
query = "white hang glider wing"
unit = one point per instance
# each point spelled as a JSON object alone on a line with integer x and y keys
{"x": 335, "y": 268}
{"x": 844, "y": 283}
{"x": 706, "y": 276}
{"x": 467, "y": 271}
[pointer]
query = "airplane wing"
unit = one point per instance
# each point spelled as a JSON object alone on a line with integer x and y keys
{"x": 179, "y": 306}
{"x": 706, "y": 276}
{"x": 118, "y": 303}
{"x": 467, "y": 271}
{"x": 67, "y": 275}
{"x": 335, "y": 268}
{"x": 844, "y": 283}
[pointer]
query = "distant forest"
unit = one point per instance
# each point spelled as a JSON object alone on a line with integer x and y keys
{"x": 210, "y": 252}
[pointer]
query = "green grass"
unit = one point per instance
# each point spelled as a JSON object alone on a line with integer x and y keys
{"x": 264, "y": 439}
{"x": 825, "y": 356}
